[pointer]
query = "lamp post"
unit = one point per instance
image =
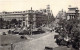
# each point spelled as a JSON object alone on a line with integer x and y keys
{"x": 12, "y": 46}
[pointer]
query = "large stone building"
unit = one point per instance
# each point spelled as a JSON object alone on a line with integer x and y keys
{"x": 61, "y": 14}
{"x": 36, "y": 18}
{"x": 72, "y": 13}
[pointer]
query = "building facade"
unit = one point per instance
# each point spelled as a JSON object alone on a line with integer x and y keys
{"x": 36, "y": 18}
{"x": 61, "y": 14}
{"x": 72, "y": 13}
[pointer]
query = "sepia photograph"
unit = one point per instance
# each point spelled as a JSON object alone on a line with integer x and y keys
{"x": 39, "y": 24}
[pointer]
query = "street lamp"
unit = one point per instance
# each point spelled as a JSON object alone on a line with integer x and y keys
{"x": 12, "y": 46}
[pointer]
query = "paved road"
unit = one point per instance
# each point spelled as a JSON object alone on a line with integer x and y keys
{"x": 37, "y": 44}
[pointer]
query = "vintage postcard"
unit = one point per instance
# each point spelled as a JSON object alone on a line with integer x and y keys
{"x": 39, "y": 24}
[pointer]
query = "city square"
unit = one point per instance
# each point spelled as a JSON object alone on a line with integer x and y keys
{"x": 29, "y": 25}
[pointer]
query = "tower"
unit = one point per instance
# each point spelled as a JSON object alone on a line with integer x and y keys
{"x": 31, "y": 8}
{"x": 48, "y": 14}
{"x": 48, "y": 8}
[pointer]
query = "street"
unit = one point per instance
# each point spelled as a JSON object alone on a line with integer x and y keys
{"x": 37, "y": 44}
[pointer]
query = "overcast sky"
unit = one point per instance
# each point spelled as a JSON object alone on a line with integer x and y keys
{"x": 21, "y": 5}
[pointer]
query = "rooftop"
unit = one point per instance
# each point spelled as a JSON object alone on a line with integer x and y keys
{"x": 73, "y": 8}
{"x": 71, "y": 12}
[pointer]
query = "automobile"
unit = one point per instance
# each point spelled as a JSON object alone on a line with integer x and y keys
{"x": 56, "y": 36}
{"x": 39, "y": 29}
{"x": 24, "y": 32}
{"x": 4, "y": 33}
{"x": 48, "y": 48}
{"x": 23, "y": 37}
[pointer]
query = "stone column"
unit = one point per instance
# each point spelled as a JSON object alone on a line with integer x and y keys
{"x": 34, "y": 20}
{"x": 27, "y": 19}
{"x": 68, "y": 17}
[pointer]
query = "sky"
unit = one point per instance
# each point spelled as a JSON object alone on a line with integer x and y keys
{"x": 22, "y": 5}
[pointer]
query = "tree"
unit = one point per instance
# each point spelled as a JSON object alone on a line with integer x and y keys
{"x": 70, "y": 29}
{"x": 13, "y": 22}
{"x": 1, "y": 23}
{"x": 19, "y": 23}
